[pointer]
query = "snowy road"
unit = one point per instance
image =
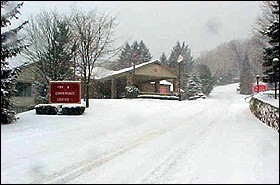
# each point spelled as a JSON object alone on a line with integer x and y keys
{"x": 214, "y": 140}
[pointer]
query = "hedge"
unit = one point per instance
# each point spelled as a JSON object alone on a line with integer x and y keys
{"x": 59, "y": 109}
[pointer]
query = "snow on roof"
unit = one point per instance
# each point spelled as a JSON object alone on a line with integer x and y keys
{"x": 129, "y": 68}
{"x": 16, "y": 61}
{"x": 101, "y": 72}
{"x": 98, "y": 73}
{"x": 163, "y": 82}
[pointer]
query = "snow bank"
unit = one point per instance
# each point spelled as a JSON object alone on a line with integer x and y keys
{"x": 268, "y": 97}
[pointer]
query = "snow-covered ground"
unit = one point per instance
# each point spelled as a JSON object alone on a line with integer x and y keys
{"x": 213, "y": 140}
{"x": 268, "y": 97}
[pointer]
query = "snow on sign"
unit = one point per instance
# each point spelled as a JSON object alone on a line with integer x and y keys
{"x": 65, "y": 92}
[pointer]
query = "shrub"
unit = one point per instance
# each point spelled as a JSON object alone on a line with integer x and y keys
{"x": 131, "y": 92}
{"x": 72, "y": 110}
{"x": 46, "y": 109}
{"x": 8, "y": 116}
{"x": 54, "y": 109}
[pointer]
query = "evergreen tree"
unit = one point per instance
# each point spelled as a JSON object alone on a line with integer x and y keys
{"x": 56, "y": 62}
{"x": 11, "y": 45}
{"x": 125, "y": 57}
{"x": 142, "y": 54}
{"x": 41, "y": 92}
{"x": 270, "y": 69}
{"x": 207, "y": 80}
{"x": 176, "y": 51}
{"x": 135, "y": 51}
{"x": 163, "y": 59}
{"x": 187, "y": 64}
{"x": 193, "y": 86}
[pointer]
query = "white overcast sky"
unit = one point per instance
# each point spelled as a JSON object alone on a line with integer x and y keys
{"x": 203, "y": 25}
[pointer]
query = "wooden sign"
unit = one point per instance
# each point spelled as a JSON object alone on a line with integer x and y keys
{"x": 65, "y": 92}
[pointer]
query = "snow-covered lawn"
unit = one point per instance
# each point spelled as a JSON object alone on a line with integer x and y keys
{"x": 213, "y": 140}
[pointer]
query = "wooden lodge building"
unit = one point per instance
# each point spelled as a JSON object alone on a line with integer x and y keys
{"x": 151, "y": 78}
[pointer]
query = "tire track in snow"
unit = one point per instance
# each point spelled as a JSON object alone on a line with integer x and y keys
{"x": 71, "y": 172}
{"x": 158, "y": 175}
{"x": 45, "y": 149}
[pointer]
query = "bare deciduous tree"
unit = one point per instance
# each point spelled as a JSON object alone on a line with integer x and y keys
{"x": 94, "y": 37}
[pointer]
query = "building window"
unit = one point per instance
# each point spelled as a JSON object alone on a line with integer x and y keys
{"x": 23, "y": 89}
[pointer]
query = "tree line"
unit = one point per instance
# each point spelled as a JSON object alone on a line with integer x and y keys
{"x": 243, "y": 59}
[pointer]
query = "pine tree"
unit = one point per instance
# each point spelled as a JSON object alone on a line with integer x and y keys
{"x": 145, "y": 55}
{"x": 176, "y": 51}
{"x": 135, "y": 51}
{"x": 193, "y": 87}
{"x": 41, "y": 92}
{"x": 163, "y": 59}
{"x": 270, "y": 69}
{"x": 187, "y": 64}
{"x": 56, "y": 62}
{"x": 11, "y": 45}
{"x": 126, "y": 57}
{"x": 207, "y": 80}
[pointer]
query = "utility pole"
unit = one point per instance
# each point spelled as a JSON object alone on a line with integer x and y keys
{"x": 258, "y": 78}
{"x": 134, "y": 55}
{"x": 275, "y": 62}
{"x": 180, "y": 95}
{"x": 179, "y": 60}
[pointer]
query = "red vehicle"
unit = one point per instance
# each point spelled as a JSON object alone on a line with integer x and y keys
{"x": 259, "y": 88}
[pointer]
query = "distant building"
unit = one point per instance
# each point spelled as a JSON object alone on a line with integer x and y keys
{"x": 25, "y": 90}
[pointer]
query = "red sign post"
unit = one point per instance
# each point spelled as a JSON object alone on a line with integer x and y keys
{"x": 65, "y": 92}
